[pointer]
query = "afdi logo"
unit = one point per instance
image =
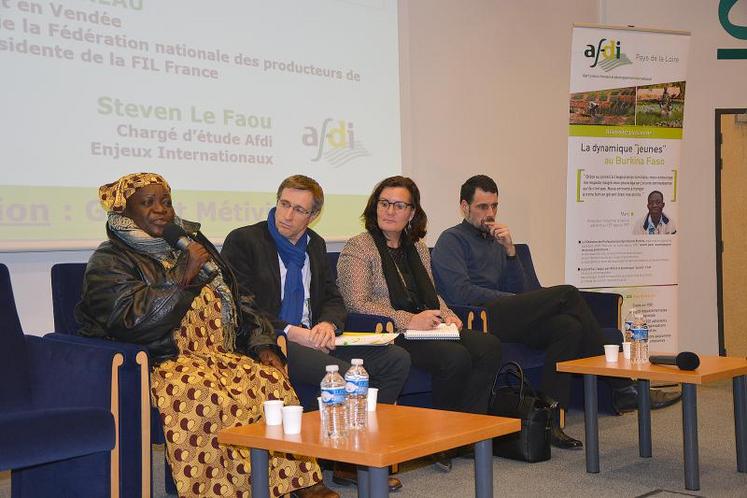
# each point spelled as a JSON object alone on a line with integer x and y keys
{"x": 334, "y": 141}
{"x": 607, "y": 56}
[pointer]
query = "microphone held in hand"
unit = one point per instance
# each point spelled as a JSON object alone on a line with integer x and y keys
{"x": 684, "y": 361}
{"x": 177, "y": 238}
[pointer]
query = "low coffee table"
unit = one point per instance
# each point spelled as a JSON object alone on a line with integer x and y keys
{"x": 712, "y": 368}
{"x": 394, "y": 434}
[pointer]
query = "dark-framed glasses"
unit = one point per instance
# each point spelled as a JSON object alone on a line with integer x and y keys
{"x": 285, "y": 205}
{"x": 398, "y": 205}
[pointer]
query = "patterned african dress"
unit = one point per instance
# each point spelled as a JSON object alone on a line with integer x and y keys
{"x": 206, "y": 389}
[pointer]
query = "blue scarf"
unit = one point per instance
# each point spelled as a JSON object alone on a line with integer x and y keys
{"x": 293, "y": 257}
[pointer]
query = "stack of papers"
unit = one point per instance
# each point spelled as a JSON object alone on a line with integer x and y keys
{"x": 442, "y": 332}
{"x": 364, "y": 339}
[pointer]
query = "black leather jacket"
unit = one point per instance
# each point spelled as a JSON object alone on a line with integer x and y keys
{"x": 129, "y": 296}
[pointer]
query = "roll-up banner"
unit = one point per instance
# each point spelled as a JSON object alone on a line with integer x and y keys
{"x": 626, "y": 109}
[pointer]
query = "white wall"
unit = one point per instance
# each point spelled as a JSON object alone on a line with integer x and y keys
{"x": 486, "y": 91}
{"x": 29, "y": 274}
{"x": 489, "y": 94}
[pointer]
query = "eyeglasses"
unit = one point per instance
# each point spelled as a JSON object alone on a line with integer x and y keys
{"x": 285, "y": 205}
{"x": 398, "y": 205}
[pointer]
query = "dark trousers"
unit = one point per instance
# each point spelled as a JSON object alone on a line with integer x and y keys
{"x": 387, "y": 366}
{"x": 556, "y": 320}
{"x": 462, "y": 371}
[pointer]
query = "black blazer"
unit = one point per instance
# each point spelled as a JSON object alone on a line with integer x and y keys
{"x": 253, "y": 255}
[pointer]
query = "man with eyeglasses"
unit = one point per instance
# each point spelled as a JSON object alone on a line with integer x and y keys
{"x": 283, "y": 264}
{"x": 655, "y": 222}
{"x": 475, "y": 263}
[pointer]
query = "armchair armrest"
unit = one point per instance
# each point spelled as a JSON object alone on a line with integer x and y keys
{"x": 606, "y": 306}
{"x": 89, "y": 391}
{"x": 361, "y": 322}
{"x": 91, "y": 374}
{"x": 473, "y": 317}
{"x": 137, "y": 421}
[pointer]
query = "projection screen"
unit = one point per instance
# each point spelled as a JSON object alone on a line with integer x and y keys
{"x": 224, "y": 99}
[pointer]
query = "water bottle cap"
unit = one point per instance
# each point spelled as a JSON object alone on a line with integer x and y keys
{"x": 356, "y": 361}
{"x": 332, "y": 368}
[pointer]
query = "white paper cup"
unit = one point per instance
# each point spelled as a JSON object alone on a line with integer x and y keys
{"x": 273, "y": 411}
{"x": 373, "y": 394}
{"x": 611, "y": 352}
{"x": 292, "y": 419}
{"x": 626, "y": 350}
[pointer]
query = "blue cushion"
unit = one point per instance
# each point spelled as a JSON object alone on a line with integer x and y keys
{"x": 419, "y": 381}
{"x": 417, "y": 390}
{"x": 67, "y": 285}
{"x": 16, "y": 394}
{"x": 523, "y": 355}
{"x": 40, "y": 436}
{"x": 86, "y": 476}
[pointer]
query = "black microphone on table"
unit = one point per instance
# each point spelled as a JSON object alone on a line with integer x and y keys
{"x": 177, "y": 238}
{"x": 684, "y": 361}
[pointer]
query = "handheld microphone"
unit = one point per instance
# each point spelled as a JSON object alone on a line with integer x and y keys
{"x": 684, "y": 361}
{"x": 177, "y": 238}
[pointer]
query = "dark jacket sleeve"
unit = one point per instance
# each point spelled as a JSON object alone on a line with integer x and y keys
{"x": 514, "y": 278}
{"x": 240, "y": 253}
{"x": 449, "y": 260}
{"x": 119, "y": 300}
{"x": 254, "y": 332}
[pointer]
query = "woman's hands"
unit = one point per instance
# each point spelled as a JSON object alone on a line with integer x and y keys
{"x": 455, "y": 320}
{"x": 430, "y": 319}
{"x": 425, "y": 320}
{"x": 268, "y": 357}
{"x": 197, "y": 256}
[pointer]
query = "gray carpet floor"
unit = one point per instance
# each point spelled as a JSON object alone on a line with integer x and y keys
{"x": 623, "y": 473}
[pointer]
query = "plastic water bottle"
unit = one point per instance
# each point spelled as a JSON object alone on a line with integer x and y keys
{"x": 356, "y": 386}
{"x": 627, "y": 334}
{"x": 639, "y": 335}
{"x": 334, "y": 403}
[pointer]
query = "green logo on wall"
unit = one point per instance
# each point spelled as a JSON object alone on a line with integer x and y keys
{"x": 740, "y": 32}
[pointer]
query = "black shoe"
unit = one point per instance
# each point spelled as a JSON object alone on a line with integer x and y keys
{"x": 561, "y": 440}
{"x": 558, "y": 438}
{"x": 626, "y": 399}
{"x": 346, "y": 475}
{"x": 661, "y": 399}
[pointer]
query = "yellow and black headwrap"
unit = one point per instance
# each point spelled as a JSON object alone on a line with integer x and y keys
{"x": 113, "y": 196}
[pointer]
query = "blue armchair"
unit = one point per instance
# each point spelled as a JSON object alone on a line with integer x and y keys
{"x": 59, "y": 412}
{"x": 143, "y": 424}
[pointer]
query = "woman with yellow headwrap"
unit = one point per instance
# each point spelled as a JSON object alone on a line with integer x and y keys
{"x": 139, "y": 289}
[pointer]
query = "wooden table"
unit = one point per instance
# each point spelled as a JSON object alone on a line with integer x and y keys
{"x": 394, "y": 434}
{"x": 712, "y": 368}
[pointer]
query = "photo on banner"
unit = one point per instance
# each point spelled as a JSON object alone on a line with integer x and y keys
{"x": 626, "y": 113}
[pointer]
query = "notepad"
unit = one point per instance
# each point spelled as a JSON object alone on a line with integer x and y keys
{"x": 442, "y": 332}
{"x": 364, "y": 339}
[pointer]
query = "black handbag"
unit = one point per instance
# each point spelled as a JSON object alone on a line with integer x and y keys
{"x": 513, "y": 396}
